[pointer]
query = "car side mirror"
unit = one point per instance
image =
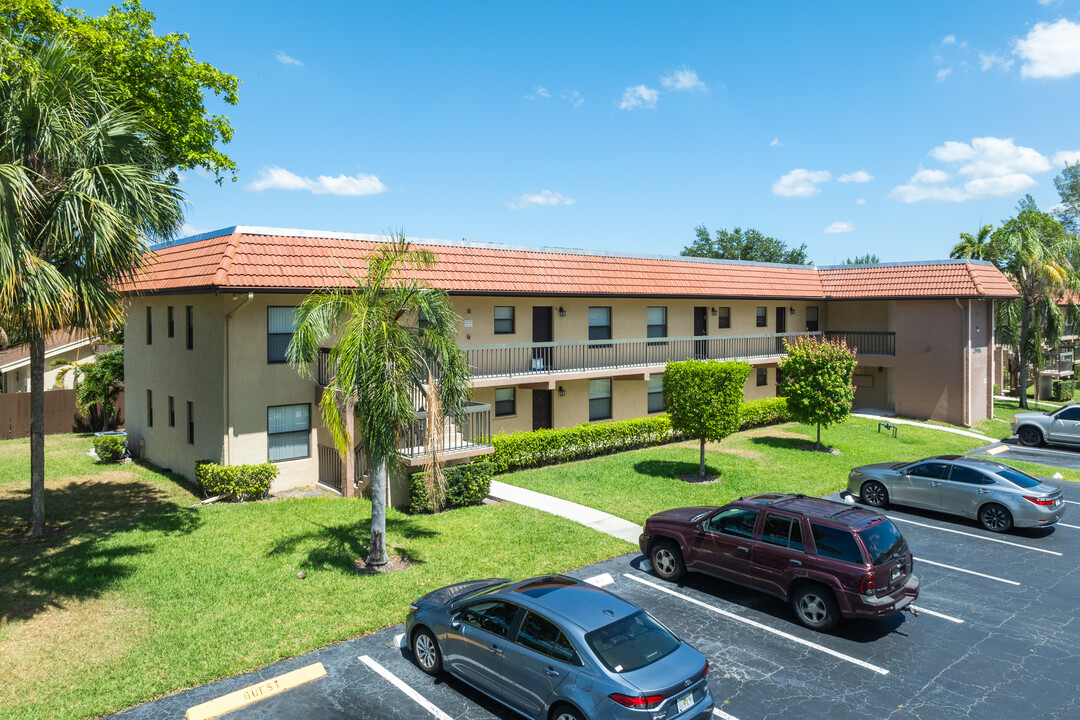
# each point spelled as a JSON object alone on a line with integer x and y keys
{"x": 455, "y": 620}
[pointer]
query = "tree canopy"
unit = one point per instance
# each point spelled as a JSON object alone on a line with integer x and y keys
{"x": 749, "y": 245}
{"x": 703, "y": 398}
{"x": 980, "y": 246}
{"x": 867, "y": 259}
{"x": 816, "y": 380}
{"x": 156, "y": 75}
{"x": 102, "y": 381}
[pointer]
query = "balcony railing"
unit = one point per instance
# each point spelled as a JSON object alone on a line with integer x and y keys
{"x": 1058, "y": 363}
{"x": 867, "y": 343}
{"x": 322, "y": 368}
{"x": 472, "y": 432}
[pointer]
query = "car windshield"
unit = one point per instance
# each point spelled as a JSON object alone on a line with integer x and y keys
{"x": 631, "y": 643}
{"x": 883, "y": 542}
{"x": 1017, "y": 478}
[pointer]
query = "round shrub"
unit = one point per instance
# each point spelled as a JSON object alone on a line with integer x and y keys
{"x": 109, "y": 448}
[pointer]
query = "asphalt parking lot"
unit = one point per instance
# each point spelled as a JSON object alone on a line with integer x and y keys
{"x": 1060, "y": 456}
{"x": 998, "y": 636}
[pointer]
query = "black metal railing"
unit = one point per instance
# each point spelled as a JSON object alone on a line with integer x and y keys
{"x": 331, "y": 468}
{"x": 472, "y": 431}
{"x": 545, "y": 358}
{"x": 322, "y": 368}
{"x": 867, "y": 343}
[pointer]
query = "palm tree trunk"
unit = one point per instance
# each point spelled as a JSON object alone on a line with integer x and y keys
{"x": 1025, "y": 331}
{"x": 818, "y": 446}
{"x": 37, "y": 438}
{"x": 377, "y": 550}
{"x": 701, "y": 467}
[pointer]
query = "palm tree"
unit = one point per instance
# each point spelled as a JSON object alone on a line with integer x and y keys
{"x": 395, "y": 334}
{"x": 1035, "y": 253}
{"x": 977, "y": 247}
{"x": 79, "y": 193}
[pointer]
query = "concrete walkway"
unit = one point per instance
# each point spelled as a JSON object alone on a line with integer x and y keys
{"x": 954, "y": 431}
{"x": 605, "y": 523}
{"x": 1030, "y": 402}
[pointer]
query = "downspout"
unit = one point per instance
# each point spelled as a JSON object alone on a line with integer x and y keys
{"x": 226, "y": 394}
{"x": 965, "y": 414}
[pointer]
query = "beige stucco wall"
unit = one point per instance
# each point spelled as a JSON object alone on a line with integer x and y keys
{"x": 17, "y": 379}
{"x": 864, "y": 315}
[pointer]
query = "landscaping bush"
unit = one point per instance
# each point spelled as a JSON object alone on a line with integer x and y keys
{"x": 465, "y": 485}
{"x": 997, "y": 389}
{"x": 1062, "y": 390}
{"x": 109, "y": 448}
{"x": 245, "y": 482}
{"x": 766, "y": 411}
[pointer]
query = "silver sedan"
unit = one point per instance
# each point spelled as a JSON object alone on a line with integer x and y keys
{"x": 998, "y": 496}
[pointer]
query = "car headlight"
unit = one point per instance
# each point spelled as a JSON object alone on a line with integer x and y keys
{"x": 1014, "y": 421}
{"x": 413, "y": 607}
{"x": 855, "y": 473}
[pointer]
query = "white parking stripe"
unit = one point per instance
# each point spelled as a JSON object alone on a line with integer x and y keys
{"x": 400, "y": 685}
{"x": 943, "y": 616}
{"x": 723, "y": 715}
{"x": 1072, "y": 502}
{"x": 766, "y": 628}
{"x": 980, "y": 537}
{"x": 1074, "y": 527}
{"x": 969, "y": 572}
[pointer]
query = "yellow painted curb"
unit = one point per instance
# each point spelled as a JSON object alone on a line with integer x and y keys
{"x": 254, "y": 693}
{"x": 997, "y": 450}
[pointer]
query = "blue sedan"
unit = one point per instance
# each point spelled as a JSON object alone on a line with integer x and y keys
{"x": 557, "y": 648}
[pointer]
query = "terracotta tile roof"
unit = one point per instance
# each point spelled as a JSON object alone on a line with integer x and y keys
{"x": 264, "y": 259}
{"x": 16, "y": 353}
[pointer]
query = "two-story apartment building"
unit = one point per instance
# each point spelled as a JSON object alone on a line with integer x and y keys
{"x": 554, "y": 338}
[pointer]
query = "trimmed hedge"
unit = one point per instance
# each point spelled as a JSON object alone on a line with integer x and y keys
{"x": 465, "y": 485}
{"x": 515, "y": 451}
{"x": 109, "y": 448}
{"x": 245, "y": 482}
{"x": 1062, "y": 390}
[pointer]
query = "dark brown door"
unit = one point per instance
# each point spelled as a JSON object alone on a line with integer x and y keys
{"x": 701, "y": 328}
{"x": 541, "y": 402}
{"x": 781, "y": 327}
{"x": 542, "y": 334}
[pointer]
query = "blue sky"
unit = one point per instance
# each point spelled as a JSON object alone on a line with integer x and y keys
{"x": 854, "y": 127}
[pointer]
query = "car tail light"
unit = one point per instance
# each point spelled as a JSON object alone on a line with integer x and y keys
{"x": 866, "y": 586}
{"x": 706, "y": 673}
{"x": 649, "y": 702}
{"x": 1039, "y": 500}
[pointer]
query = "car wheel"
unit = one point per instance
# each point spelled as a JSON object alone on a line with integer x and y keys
{"x": 425, "y": 650}
{"x": 667, "y": 561}
{"x": 874, "y": 493}
{"x": 995, "y": 518}
{"x": 815, "y": 607}
{"x": 565, "y": 712}
{"x": 1030, "y": 436}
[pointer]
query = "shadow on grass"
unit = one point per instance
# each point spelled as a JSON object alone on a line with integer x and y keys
{"x": 336, "y": 547}
{"x": 78, "y": 562}
{"x": 673, "y": 469}
{"x": 781, "y": 443}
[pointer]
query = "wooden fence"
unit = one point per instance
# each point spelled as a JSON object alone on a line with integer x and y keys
{"x": 61, "y": 415}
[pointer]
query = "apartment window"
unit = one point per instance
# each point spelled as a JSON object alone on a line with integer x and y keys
{"x": 288, "y": 432}
{"x": 600, "y": 399}
{"x": 505, "y": 402}
{"x": 170, "y": 325}
{"x": 149, "y": 325}
{"x": 812, "y": 318}
{"x": 190, "y": 327}
{"x": 656, "y": 322}
{"x": 504, "y": 320}
{"x": 762, "y": 317}
{"x": 280, "y": 323}
{"x": 600, "y": 323}
{"x": 762, "y": 376}
{"x": 172, "y": 412}
{"x": 190, "y": 423}
{"x": 724, "y": 315}
{"x": 149, "y": 408}
{"x": 656, "y": 393}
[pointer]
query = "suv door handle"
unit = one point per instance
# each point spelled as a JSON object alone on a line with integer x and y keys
{"x": 551, "y": 672}
{"x": 793, "y": 561}
{"x": 935, "y": 484}
{"x": 983, "y": 491}
{"x": 742, "y": 549}
{"x": 496, "y": 649}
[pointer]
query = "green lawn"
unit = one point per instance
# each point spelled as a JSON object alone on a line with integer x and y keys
{"x": 140, "y": 596}
{"x": 998, "y": 426}
{"x": 635, "y": 484}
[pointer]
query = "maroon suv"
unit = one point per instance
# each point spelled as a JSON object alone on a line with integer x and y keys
{"x": 828, "y": 559}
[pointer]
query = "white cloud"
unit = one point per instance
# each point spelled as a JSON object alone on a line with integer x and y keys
{"x": 990, "y": 60}
{"x": 839, "y": 227}
{"x": 684, "y": 79}
{"x": 1045, "y": 3}
{"x": 801, "y": 182}
{"x": 286, "y": 59}
{"x": 775, "y": 142}
{"x": 948, "y": 40}
{"x": 914, "y": 193}
{"x": 1066, "y": 157}
{"x": 544, "y": 198}
{"x": 539, "y": 92}
{"x": 992, "y": 167}
{"x": 188, "y": 230}
{"x": 276, "y": 178}
{"x": 859, "y": 176}
{"x": 639, "y": 96}
{"x": 943, "y": 73}
{"x": 573, "y": 97}
{"x": 860, "y": 201}
{"x": 1050, "y": 50}
{"x": 928, "y": 177}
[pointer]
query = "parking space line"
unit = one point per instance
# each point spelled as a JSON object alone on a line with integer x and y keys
{"x": 723, "y": 715}
{"x": 943, "y": 616}
{"x": 1074, "y": 527}
{"x": 400, "y": 685}
{"x": 760, "y": 626}
{"x": 1072, "y": 502}
{"x": 980, "y": 537}
{"x": 969, "y": 572}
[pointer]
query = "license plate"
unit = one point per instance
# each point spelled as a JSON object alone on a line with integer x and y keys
{"x": 685, "y": 701}
{"x": 896, "y": 572}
